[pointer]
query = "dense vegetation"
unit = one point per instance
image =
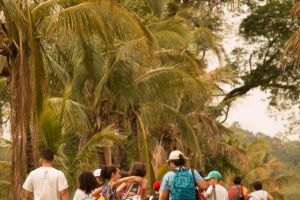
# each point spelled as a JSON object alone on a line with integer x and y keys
{"x": 286, "y": 151}
{"x": 111, "y": 82}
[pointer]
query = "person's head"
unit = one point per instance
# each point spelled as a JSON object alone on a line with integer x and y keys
{"x": 156, "y": 185}
{"x": 257, "y": 185}
{"x": 237, "y": 180}
{"x": 176, "y": 159}
{"x": 87, "y": 182}
{"x": 138, "y": 169}
{"x": 110, "y": 173}
{"x": 213, "y": 177}
{"x": 46, "y": 156}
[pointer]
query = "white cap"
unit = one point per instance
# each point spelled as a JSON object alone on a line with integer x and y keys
{"x": 97, "y": 172}
{"x": 175, "y": 155}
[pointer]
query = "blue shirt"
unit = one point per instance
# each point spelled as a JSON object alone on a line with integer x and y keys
{"x": 168, "y": 177}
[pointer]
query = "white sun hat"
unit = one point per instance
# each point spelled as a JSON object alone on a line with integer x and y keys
{"x": 97, "y": 172}
{"x": 175, "y": 155}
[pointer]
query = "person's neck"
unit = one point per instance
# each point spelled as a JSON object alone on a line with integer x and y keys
{"x": 47, "y": 164}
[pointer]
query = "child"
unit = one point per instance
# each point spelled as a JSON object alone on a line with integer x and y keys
{"x": 156, "y": 186}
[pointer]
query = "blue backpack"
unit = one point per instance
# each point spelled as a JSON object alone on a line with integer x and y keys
{"x": 182, "y": 186}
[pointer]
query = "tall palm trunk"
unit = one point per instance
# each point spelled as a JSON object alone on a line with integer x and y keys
{"x": 121, "y": 130}
{"x": 20, "y": 113}
{"x": 1, "y": 120}
{"x": 29, "y": 151}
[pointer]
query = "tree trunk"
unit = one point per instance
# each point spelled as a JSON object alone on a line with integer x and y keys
{"x": 121, "y": 130}
{"x": 29, "y": 152}
{"x": 20, "y": 113}
{"x": 1, "y": 120}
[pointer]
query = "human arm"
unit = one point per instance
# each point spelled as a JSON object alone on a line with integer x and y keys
{"x": 28, "y": 187}
{"x": 202, "y": 185}
{"x": 129, "y": 178}
{"x": 144, "y": 186}
{"x": 200, "y": 182}
{"x": 270, "y": 197}
{"x": 121, "y": 187}
{"x": 164, "y": 190}
{"x": 164, "y": 194}
{"x": 64, "y": 194}
{"x": 96, "y": 192}
{"x": 208, "y": 192}
{"x": 28, "y": 195}
{"x": 63, "y": 187}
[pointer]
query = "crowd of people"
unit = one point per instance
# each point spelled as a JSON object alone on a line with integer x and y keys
{"x": 109, "y": 183}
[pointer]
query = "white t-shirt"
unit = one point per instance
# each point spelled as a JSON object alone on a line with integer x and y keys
{"x": 221, "y": 192}
{"x": 79, "y": 195}
{"x": 258, "y": 195}
{"x": 46, "y": 183}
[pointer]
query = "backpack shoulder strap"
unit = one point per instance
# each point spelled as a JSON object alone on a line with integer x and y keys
{"x": 214, "y": 192}
{"x": 128, "y": 190}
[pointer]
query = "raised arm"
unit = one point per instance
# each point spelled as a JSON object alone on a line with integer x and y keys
{"x": 129, "y": 178}
{"x": 202, "y": 184}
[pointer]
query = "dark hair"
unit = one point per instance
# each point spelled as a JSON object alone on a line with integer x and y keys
{"x": 47, "y": 154}
{"x": 237, "y": 180}
{"x": 124, "y": 174}
{"x": 107, "y": 171}
{"x": 178, "y": 162}
{"x": 257, "y": 185}
{"x": 138, "y": 169}
{"x": 87, "y": 182}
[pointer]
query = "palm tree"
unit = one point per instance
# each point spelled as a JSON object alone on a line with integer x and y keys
{"x": 30, "y": 33}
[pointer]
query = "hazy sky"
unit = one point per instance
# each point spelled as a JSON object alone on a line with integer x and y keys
{"x": 252, "y": 113}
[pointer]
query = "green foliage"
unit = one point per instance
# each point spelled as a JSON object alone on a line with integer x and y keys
{"x": 275, "y": 157}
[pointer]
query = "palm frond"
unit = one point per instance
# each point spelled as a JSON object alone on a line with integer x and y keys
{"x": 98, "y": 140}
{"x": 234, "y": 154}
{"x": 292, "y": 50}
{"x": 5, "y": 165}
{"x": 74, "y": 115}
{"x": 172, "y": 33}
{"x": 14, "y": 17}
{"x": 145, "y": 151}
{"x": 207, "y": 40}
{"x": 186, "y": 132}
{"x": 50, "y": 129}
{"x": 157, "y": 6}
{"x": 166, "y": 83}
{"x": 4, "y": 189}
{"x": 4, "y": 89}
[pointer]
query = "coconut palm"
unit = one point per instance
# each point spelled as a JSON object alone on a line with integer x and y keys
{"x": 30, "y": 33}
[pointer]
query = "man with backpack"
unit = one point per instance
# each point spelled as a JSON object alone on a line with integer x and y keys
{"x": 237, "y": 191}
{"x": 215, "y": 191}
{"x": 180, "y": 183}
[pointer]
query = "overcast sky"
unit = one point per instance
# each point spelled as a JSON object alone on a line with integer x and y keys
{"x": 252, "y": 113}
